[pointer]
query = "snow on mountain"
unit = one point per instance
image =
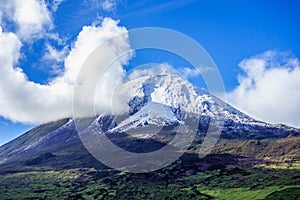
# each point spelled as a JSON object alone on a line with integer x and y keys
{"x": 168, "y": 99}
{"x": 40, "y": 138}
{"x": 158, "y": 99}
{"x": 154, "y": 102}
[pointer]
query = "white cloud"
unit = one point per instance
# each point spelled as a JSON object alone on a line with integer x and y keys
{"x": 25, "y": 101}
{"x": 88, "y": 39}
{"x": 150, "y": 69}
{"x": 109, "y": 5}
{"x": 269, "y": 89}
{"x": 159, "y": 68}
{"x": 55, "y": 4}
{"x": 54, "y": 54}
{"x": 20, "y": 99}
{"x": 193, "y": 72}
{"x": 53, "y": 59}
{"x": 31, "y": 17}
{"x": 101, "y": 5}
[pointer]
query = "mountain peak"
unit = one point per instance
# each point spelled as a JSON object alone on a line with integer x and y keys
{"x": 164, "y": 98}
{"x": 155, "y": 102}
{"x": 167, "y": 89}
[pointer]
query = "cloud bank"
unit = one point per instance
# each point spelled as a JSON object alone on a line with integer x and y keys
{"x": 269, "y": 89}
{"x": 25, "y": 101}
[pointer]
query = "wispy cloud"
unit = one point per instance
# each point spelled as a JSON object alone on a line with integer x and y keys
{"x": 150, "y": 69}
{"x": 55, "y": 4}
{"x": 102, "y": 5}
{"x": 194, "y": 72}
{"x": 109, "y": 5}
{"x": 170, "y": 5}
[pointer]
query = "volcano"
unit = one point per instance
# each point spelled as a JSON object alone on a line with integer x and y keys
{"x": 51, "y": 161}
{"x": 156, "y": 103}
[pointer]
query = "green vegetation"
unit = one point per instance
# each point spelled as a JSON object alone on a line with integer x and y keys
{"x": 178, "y": 181}
{"x": 295, "y": 165}
{"x": 243, "y": 193}
{"x": 288, "y": 193}
{"x": 254, "y": 169}
{"x": 88, "y": 184}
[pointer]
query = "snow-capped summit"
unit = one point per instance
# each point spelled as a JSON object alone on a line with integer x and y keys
{"x": 157, "y": 104}
{"x": 174, "y": 91}
{"x": 167, "y": 89}
{"x": 163, "y": 99}
{"x": 175, "y": 94}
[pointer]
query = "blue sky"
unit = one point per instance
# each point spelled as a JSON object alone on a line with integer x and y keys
{"x": 231, "y": 31}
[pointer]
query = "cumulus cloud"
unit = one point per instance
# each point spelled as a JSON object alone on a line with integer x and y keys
{"x": 31, "y": 21}
{"x": 269, "y": 88}
{"x": 117, "y": 44}
{"x": 31, "y": 17}
{"x": 88, "y": 39}
{"x": 25, "y": 101}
